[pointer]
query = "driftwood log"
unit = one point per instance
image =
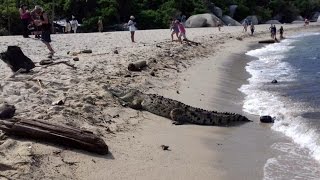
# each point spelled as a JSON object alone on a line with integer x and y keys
{"x": 16, "y": 60}
{"x": 269, "y": 41}
{"x": 137, "y": 66}
{"x": 49, "y": 132}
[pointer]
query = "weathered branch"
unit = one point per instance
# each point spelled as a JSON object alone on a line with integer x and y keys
{"x": 48, "y": 132}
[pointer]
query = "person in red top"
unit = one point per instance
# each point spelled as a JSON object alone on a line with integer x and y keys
{"x": 25, "y": 19}
{"x": 182, "y": 31}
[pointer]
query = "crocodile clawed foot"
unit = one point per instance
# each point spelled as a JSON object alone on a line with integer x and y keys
{"x": 177, "y": 123}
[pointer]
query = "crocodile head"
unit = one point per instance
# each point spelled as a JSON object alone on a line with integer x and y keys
{"x": 126, "y": 96}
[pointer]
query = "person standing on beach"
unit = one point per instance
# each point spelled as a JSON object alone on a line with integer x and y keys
{"x": 182, "y": 31}
{"x": 252, "y": 29}
{"x": 219, "y": 25}
{"x": 25, "y": 17}
{"x": 245, "y": 25}
{"x": 67, "y": 27}
{"x": 132, "y": 27}
{"x": 100, "y": 25}
{"x": 45, "y": 26}
{"x": 74, "y": 24}
{"x": 281, "y": 32}
{"x": 174, "y": 29}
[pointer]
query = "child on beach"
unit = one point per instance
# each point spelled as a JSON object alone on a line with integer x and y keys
{"x": 132, "y": 27}
{"x": 182, "y": 31}
{"x": 174, "y": 29}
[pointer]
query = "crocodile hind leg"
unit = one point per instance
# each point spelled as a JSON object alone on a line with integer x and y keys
{"x": 178, "y": 116}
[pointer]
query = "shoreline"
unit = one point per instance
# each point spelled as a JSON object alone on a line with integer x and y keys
{"x": 134, "y": 137}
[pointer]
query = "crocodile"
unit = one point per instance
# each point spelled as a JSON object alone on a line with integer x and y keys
{"x": 178, "y": 112}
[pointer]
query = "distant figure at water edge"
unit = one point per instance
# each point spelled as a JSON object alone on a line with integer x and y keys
{"x": 274, "y": 32}
{"x": 25, "y": 19}
{"x": 100, "y": 25}
{"x": 132, "y": 27}
{"x": 281, "y": 32}
{"x": 74, "y": 24}
{"x": 182, "y": 31}
{"x": 45, "y": 26}
{"x": 174, "y": 29}
{"x": 252, "y": 29}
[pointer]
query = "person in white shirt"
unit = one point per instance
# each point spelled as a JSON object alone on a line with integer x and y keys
{"x": 74, "y": 24}
{"x": 132, "y": 27}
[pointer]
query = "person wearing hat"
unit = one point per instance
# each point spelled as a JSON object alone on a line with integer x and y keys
{"x": 132, "y": 27}
{"x": 45, "y": 26}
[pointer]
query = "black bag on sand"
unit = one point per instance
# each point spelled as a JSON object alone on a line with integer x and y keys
{"x": 16, "y": 60}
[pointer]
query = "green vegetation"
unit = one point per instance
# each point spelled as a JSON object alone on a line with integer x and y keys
{"x": 150, "y": 13}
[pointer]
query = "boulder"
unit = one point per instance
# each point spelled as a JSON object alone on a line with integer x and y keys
{"x": 315, "y": 17}
{"x": 229, "y": 21}
{"x": 217, "y": 11}
{"x": 274, "y": 81}
{"x": 277, "y": 17}
{"x": 232, "y": 10}
{"x": 266, "y": 119}
{"x": 299, "y": 18}
{"x": 297, "y": 22}
{"x": 272, "y": 22}
{"x": 202, "y": 20}
{"x": 251, "y": 19}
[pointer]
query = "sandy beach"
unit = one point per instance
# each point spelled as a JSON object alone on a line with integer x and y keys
{"x": 206, "y": 76}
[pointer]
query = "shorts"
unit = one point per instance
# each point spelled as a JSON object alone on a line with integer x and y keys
{"x": 183, "y": 35}
{"x": 45, "y": 36}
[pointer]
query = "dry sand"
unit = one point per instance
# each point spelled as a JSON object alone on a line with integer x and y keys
{"x": 205, "y": 76}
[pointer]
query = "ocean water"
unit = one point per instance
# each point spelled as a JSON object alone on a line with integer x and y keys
{"x": 294, "y": 102}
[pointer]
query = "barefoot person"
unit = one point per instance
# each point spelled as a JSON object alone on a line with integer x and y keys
{"x": 174, "y": 29}
{"x": 25, "y": 19}
{"x": 132, "y": 27}
{"x": 45, "y": 27}
{"x": 182, "y": 31}
{"x": 252, "y": 29}
{"x": 281, "y": 32}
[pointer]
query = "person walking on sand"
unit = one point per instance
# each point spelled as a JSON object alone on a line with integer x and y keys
{"x": 245, "y": 25}
{"x": 132, "y": 27}
{"x": 174, "y": 29}
{"x": 45, "y": 26}
{"x": 100, "y": 25}
{"x": 25, "y": 17}
{"x": 281, "y": 32}
{"x": 74, "y": 24}
{"x": 182, "y": 31}
{"x": 67, "y": 28}
{"x": 252, "y": 29}
{"x": 219, "y": 25}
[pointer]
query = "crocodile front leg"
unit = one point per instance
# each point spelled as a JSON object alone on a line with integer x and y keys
{"x": 177, "y": 116}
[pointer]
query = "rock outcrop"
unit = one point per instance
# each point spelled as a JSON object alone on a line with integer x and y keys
{"x": 229, "y": 21}
{"x": 251, "y": 19}
{"x": 272, "y": 22}
{"x": 202, "y": 20}
{"x": 232, "y": 10}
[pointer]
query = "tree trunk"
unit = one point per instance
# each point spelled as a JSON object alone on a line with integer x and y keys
{"x": 16, "y": 60}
